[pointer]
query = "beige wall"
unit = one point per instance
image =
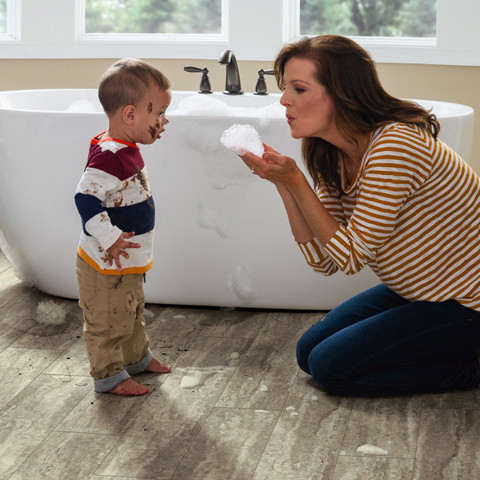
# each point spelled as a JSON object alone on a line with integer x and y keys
{"x": 429, "y": 82}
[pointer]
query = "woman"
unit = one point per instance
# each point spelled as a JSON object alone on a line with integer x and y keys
{"x": 390, "y": 195}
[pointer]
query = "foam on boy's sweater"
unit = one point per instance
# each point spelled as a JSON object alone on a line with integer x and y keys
{"x": 241, "y": 139}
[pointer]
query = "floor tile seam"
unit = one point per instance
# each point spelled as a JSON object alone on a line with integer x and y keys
{"x": 448, "y": 409}
{"x": 232, "y": 376}
{"x": 63, "y": 348}
{"x": 194, "y": 438}
{"x": 19, "y": 347}
{"x": 77, "y": 432}
{"x": 2, "y": 407}
{"x": 53, "y": 428}
{"x": 226, "y": 337}
{"x": 45, "y": 314}
{"x": 341, "y": 443}
{"x": 280, "y": 411}
{"x": 47, "y": 366}
{"x": 6, "y": 266}
{"x": 253, "y": 409}
{"x": 422, "y": 410}
{"x": 2, "y": 305}
{"x": 378, "y": 455}
{"x": 43, "y": 442}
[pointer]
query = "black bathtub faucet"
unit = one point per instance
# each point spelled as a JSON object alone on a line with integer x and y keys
{"x": 232, "y": 82}
{"x": 204, "y": 82}
{"x": 261, "y": 87}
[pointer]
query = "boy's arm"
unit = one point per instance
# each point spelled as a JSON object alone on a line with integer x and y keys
{"x": 95, "y": 219}
{"x": 91, "y": 193}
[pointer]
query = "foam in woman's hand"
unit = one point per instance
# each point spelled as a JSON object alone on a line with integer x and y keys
{"x": 241, "y": 139}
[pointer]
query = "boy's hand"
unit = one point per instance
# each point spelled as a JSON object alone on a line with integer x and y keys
{"x": 119, "y": 248}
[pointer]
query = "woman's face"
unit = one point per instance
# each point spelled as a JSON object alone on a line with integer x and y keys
{"x": 309, "y": 108}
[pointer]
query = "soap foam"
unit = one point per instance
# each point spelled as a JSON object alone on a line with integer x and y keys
{"x": 369, "y": 449}
{"x": 203, "y": 105}
{"x": 49, "y": 313}
{"x": 81, "y": 106}
{"x": 241, "y": 139}
{"x": 239, "y": 281}
{"x": 208, "y": 218}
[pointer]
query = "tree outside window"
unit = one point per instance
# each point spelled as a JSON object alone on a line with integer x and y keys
{"x": 153, "y": 16}
{"x": 369, "y": 18}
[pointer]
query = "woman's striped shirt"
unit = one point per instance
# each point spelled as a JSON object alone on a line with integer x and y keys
{"x": 412, "y": 214}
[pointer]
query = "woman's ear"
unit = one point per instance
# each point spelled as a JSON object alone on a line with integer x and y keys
{"x": 129, "y": 113}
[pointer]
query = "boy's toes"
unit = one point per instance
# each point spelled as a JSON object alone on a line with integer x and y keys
{"x": 129, "y": 388}
{"x": 156, "y": 367}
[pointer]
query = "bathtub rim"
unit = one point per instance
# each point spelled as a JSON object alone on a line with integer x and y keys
{"x": 458, "y": 109}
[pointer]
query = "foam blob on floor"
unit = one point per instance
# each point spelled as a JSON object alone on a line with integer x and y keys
{"x": 49, "y": 313}
{"x": 241, "y": 139}
{"x": 189, "y": 381}
{"x": 368, "y": 449}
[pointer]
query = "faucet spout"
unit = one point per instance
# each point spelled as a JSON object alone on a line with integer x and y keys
{"x": 232, "y": 82}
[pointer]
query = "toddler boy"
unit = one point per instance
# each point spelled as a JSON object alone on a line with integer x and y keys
{"x": 118, "y": 216}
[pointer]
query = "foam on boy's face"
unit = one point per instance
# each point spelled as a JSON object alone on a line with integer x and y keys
{"x": 151, "y": 118}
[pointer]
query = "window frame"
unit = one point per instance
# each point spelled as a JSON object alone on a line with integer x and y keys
{"x": 272, "y": 23}
{"x": 82, "y": 36}
{"x": 13, "y": 17}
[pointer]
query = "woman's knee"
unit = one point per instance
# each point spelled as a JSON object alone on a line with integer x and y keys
{"x": 303, "y": 351}
{"x": 326, "y": 372}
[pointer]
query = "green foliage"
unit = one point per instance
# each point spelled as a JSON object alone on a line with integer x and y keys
{"x": 399, "y": 18}
{"x": 153, "y": 16}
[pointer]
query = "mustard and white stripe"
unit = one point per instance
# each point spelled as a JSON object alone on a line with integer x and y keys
{"x": 412, "y": 214}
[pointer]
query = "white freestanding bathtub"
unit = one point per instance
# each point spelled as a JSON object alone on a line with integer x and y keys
{"x": 222, "y": 237}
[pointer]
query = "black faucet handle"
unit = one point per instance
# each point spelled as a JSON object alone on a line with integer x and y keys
{"x": 261, "y": 87}
{"x": 205, "y": 86}
{"x": 269, "y": 71}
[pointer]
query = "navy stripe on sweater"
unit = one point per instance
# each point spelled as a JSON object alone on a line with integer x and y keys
{"x": 138, "y": 218}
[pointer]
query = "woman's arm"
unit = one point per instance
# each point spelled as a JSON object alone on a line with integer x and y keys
{"x": 307, "y": 216}
{"x": 302, "y": 233}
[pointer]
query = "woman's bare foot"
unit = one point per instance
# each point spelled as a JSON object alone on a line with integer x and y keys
{"x": 156, "y": 367}
{"x": 129, "y": 388}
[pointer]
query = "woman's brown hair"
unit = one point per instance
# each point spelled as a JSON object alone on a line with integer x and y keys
{"x": 360, "y": 103}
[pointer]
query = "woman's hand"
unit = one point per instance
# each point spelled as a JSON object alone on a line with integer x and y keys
{"x": 273, "y": 166}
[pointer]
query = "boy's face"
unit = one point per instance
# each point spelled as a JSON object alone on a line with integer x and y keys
{"x": 150, "y": 116}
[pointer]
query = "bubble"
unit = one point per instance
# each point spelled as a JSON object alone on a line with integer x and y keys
{"x": 241, "y": 139}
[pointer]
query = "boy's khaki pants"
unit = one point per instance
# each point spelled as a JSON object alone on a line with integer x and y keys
{"x": 114, "y": 326}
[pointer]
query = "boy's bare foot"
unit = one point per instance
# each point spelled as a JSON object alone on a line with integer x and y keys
{"x": 129, "y": 388}
{"x": 156, "y": 367}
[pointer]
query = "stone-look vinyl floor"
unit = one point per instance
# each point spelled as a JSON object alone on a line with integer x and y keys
{"x": 235, "y": 407}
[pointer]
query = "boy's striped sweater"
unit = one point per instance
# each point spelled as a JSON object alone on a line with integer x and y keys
{"x": 113, "y": 196}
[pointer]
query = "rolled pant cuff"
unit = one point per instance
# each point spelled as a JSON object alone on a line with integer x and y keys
{"x": 141, "y": 365}
{"x": 104, "y": 385}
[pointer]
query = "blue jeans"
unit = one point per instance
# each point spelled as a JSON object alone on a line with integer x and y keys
{"x": 378, "y": 344}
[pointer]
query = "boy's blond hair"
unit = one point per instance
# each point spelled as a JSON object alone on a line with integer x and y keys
{"x": 127, "y": 82}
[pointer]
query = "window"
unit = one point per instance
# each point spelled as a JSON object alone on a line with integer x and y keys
{"x": 152, "y": 16}
{"x": 3, "y": 16}
{"x": 369, "y": 18}
{"x": 9, "y": 20}
{"x": 253, "y": 29}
